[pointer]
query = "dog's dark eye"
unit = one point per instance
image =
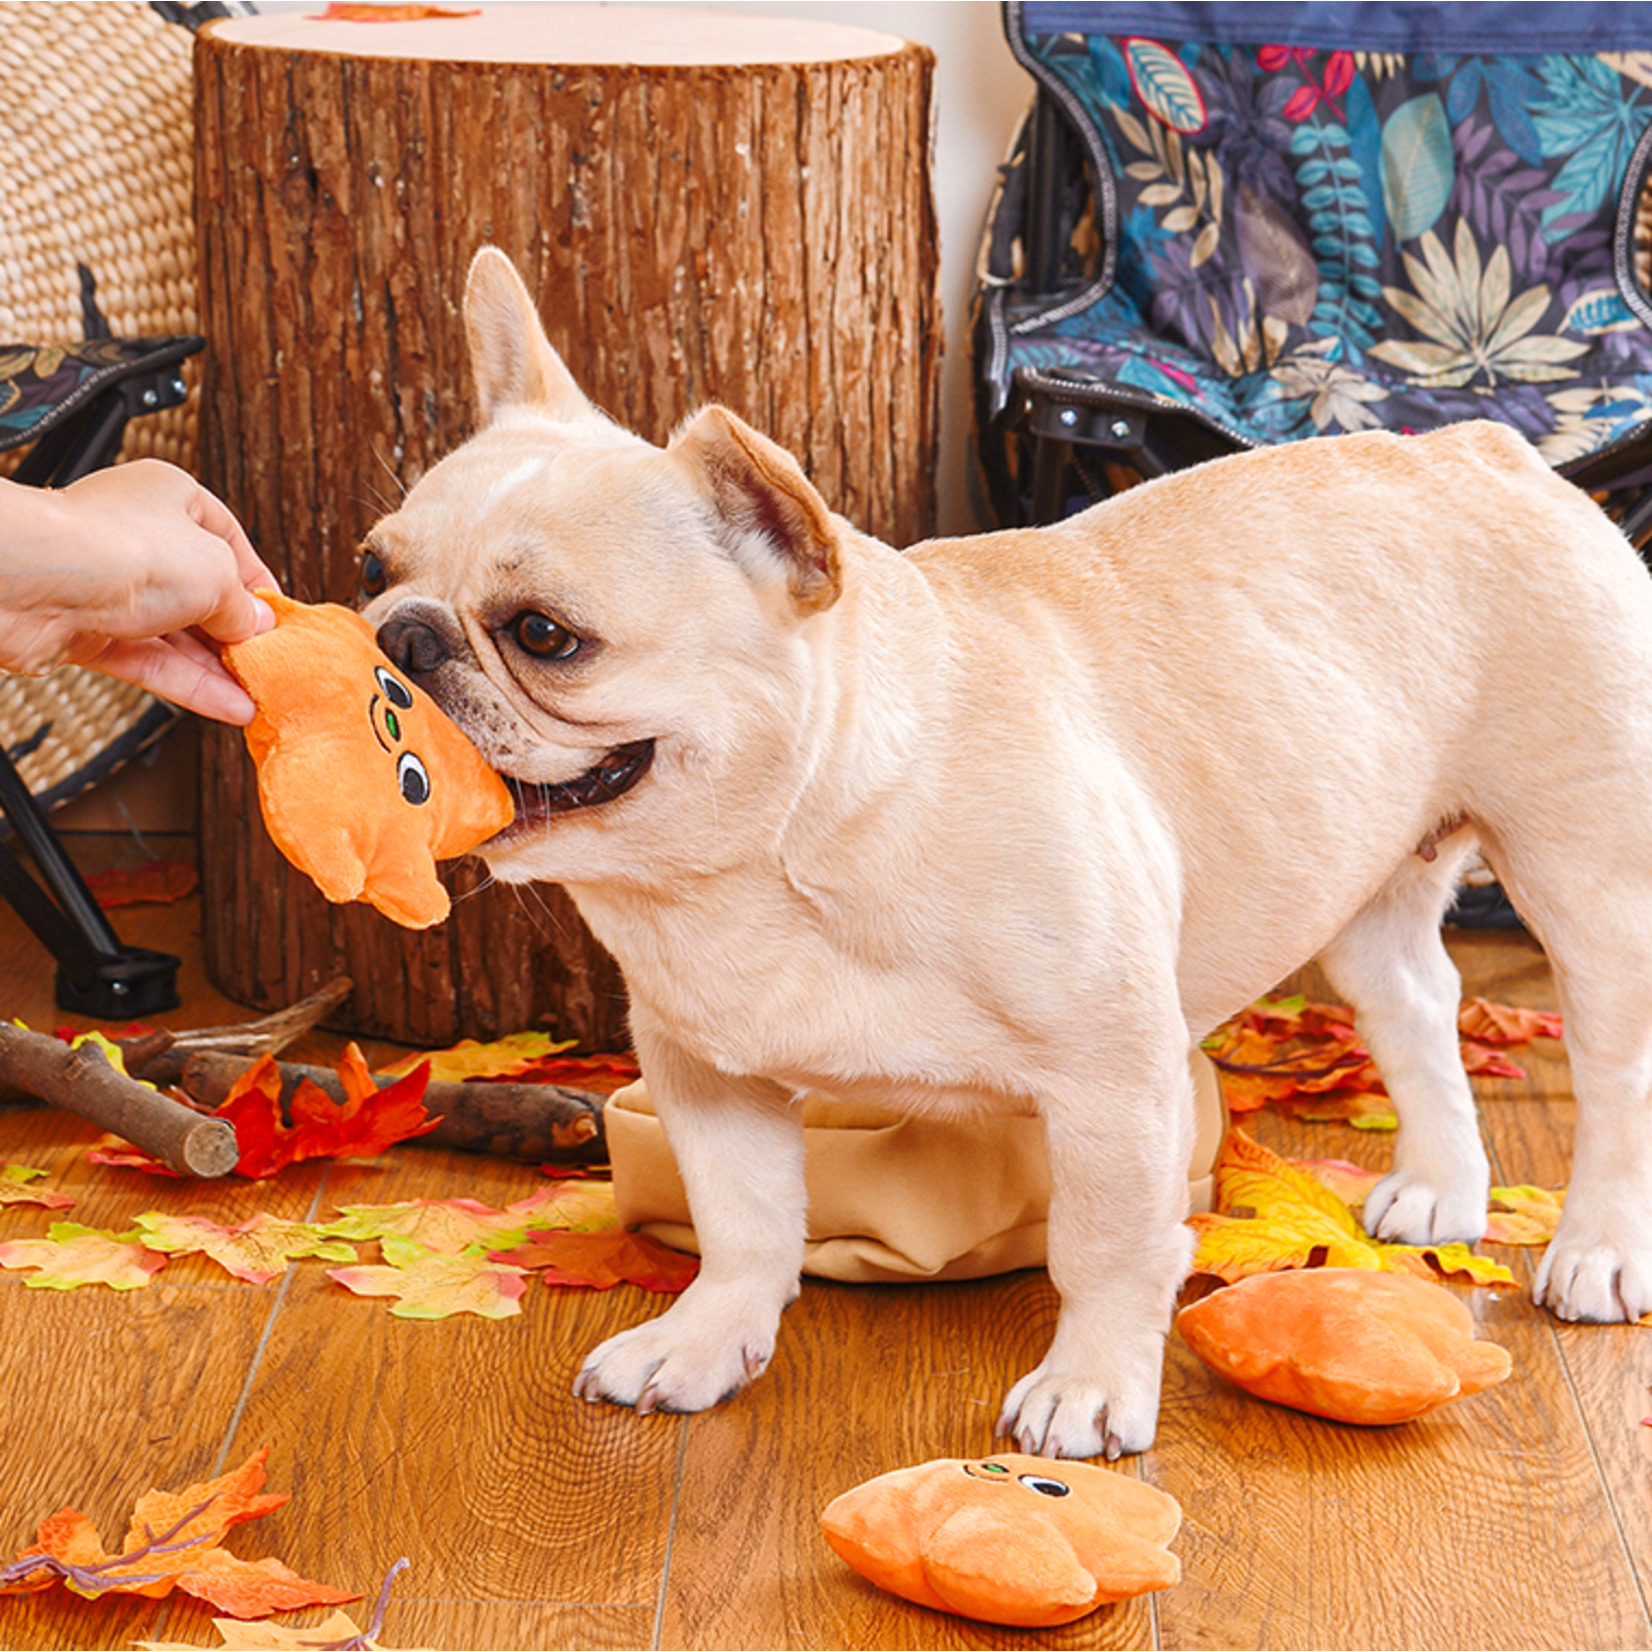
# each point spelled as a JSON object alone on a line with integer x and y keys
{"x": 413, "y": 778}
{"x": 1043, "y": 1483}
{"x": 541, "y": 636}
{"x": 373, "y": 578}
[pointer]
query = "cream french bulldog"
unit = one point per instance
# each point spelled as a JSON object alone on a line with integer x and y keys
{"x": 1007, "y": 822}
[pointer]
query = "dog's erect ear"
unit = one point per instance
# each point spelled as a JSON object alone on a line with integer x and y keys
{"x": 759, "y": 490}
{"x": 510, "y": 357}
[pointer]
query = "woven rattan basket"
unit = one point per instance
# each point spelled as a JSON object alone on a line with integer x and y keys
{"x": 96, "y": 157}
{"x": 96, "y": 162}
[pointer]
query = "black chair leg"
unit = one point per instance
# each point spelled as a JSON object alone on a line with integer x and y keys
{"x": 98, "y": 975}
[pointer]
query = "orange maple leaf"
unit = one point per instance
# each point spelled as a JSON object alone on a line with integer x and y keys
{"x": 600, "y": 1261}
{"x": 1491, "y": 1023}
{"x": 173, "y": 1541}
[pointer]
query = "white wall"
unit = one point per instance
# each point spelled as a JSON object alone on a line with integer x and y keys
{"x": 980, "y": 93}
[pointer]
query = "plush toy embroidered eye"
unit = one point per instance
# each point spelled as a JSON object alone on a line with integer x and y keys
{"x": 364, "y": 781}
{"x": 1008, "y": 1539}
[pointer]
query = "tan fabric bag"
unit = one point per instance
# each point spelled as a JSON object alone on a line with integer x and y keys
{"x": 893, "y": 1198}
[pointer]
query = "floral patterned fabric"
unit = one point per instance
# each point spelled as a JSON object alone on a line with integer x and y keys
{"x": 1294, "y": 237}
{"x": 41, "y": 386}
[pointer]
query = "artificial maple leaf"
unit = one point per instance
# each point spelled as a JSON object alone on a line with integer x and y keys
{"x": 1350, "y": 1182}
{"x": 368, "y": 1121}
{"x": 257, "y": 1251}
{"x": 71, "y": 1255}
{"x": 599, "y": 1261}
{"x": 450, "y": 1226}
{"x": 1523, "y": 1215}
{"x": 15, "y": 1189}
{"x": 1270, "y": 1214}
{"x": 157, "y": 881}
{"x": 1307, "y": 1060}
{"x": 1486, "y": 1061}
{"x": 115, "y": 1153}
{"x": 173, "y": 1541}
{"x": 430, "y": 1285}
{"x": 601, "y": 1074}
{"x": 337, "y": 1629}
{"x": 359, "y": 11}
{"x": 525, "y": 1058}
{"x": 500, "y": 1058}
{"x": 337, "y": 1632}
{"x": 1490, "y": 1023}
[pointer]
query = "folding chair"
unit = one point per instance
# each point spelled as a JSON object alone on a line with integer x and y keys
{"x": 1230, "y": 225}
{"x": 96, "y": 147}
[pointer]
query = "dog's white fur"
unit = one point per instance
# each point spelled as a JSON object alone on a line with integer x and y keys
{"x": 1006, "y": 823}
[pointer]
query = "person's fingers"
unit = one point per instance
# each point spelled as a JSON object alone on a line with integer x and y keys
{"x": 217, "y": 518}
{"x": 239, "y": 616}
{"x": 188, "y": 674}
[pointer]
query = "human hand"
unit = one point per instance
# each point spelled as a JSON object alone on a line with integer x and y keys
{"x": 137, "y": 571}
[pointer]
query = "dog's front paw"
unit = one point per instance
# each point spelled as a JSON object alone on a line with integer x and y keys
{"x": 1408, "y": 1209}
{"x": 1598, "y": 1271}
{"x": 690, "y": 1358}
{"x": 1053, "y": 1412}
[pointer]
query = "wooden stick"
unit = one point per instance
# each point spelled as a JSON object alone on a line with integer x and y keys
{"x": 160, "y": 1057}
{"x": 535, "y": 1122}
{"x": 84, "y": 1082}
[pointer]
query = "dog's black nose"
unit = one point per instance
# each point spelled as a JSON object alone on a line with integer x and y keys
{"x": 415, "y": 642}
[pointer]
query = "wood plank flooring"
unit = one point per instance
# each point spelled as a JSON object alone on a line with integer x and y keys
{"x": 1518, "y": 1518}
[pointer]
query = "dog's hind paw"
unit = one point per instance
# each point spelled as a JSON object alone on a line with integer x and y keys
{"x": 1598, "y": 1282}
{"x": 681, "y": 1361}
{"x": 1406, "y": 1209}
{"x": 1051, "y": 1415}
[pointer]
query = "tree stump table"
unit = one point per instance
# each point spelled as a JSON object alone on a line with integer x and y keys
{"x": 711, "y": 207}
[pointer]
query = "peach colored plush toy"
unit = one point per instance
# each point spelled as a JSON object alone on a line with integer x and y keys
{"x": 1011, "y": 1539}
{"x": 364, "y": 781}
{"x": 1346, "y": 1343}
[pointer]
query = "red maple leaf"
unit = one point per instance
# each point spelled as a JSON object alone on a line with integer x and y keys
{"x": 369, "y": 1120}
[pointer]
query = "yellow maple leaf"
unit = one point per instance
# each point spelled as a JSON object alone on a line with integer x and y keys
{"x": 1271, "y": 1214}
{"x": 469, "y": 1059}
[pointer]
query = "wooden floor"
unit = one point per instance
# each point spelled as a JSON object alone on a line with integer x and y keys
{"x": 1519, "y": 1518}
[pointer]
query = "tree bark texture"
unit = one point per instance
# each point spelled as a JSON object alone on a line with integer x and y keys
{"x": 756, "y": 233}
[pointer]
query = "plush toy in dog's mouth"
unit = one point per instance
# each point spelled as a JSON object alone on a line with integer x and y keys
{"x": 611, "y": 776}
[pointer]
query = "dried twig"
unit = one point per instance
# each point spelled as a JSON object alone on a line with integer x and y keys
{"x": 163, "y": 1062}
{"x": 534, "y": 1122}
{"x": 82, "y": 1081}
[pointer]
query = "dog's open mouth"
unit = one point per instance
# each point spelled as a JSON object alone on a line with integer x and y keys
{"x": 610, "y": 777}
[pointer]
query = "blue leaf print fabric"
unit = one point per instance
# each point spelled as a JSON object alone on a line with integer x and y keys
{"x": 1297, "y": 239}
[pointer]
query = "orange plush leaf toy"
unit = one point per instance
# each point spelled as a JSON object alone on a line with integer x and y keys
{"x": 1345, "y": 1343}
{"x": 1009, "y": 1539}
{"x": 365, "y": 782}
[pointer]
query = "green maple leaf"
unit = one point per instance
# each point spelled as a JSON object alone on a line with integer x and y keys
{"x": 257, "y": 1251}
{"x": 71, "y": 1255}
{"x": 15, "y": 1189}
{"x": 430, "y": 1285}
{"x": 450, "y": 1226}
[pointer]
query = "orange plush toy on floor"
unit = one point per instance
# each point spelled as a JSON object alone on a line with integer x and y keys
{"x": 1011, "y": 1539}
{"x": 365, "y": 782}
{"x": 1345, "y": 1343}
